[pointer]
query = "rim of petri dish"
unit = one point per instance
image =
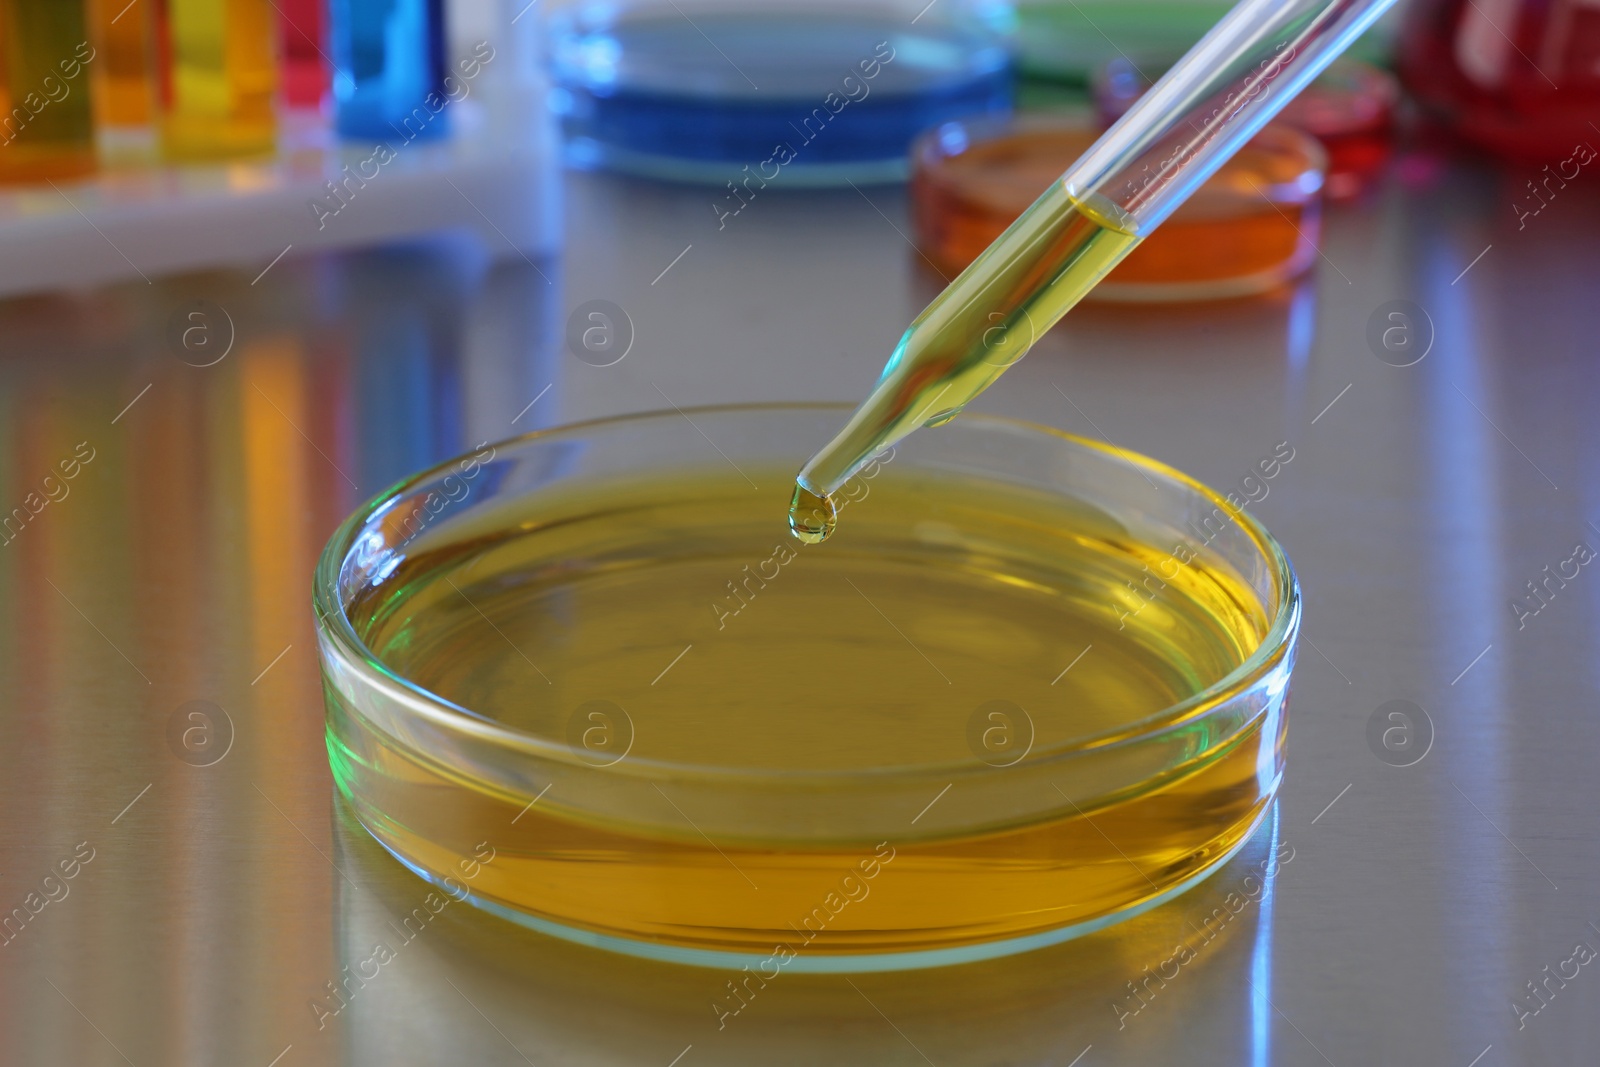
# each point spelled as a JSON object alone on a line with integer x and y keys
{"x": 826, "y": 963}
{"x": 337, "y": 628}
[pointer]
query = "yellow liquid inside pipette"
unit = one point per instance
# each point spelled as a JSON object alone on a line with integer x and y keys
{"x": 985, "y": 321}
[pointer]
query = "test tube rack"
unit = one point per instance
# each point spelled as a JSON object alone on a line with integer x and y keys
{"x": 493, "y": 179}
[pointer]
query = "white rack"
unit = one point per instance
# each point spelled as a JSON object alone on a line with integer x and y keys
{"x": 497, "y": 180}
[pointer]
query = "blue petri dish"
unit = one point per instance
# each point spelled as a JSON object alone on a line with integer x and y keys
{"x": 800, "y": 94}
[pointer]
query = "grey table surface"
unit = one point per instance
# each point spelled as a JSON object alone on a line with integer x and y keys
{"x": 223, "y": 892}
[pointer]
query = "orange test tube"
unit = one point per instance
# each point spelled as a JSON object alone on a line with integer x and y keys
{"x": 47, "y": 128}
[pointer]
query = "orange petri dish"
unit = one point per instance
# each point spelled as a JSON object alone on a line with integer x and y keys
{"x": 1253, "y": 226}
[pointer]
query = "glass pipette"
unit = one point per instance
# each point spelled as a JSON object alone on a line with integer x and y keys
{"x": 1215, "y": 99}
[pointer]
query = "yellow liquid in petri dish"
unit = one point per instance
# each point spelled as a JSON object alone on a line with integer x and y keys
{"x": 676, "y": 624}
{"x": 980, "y": 325}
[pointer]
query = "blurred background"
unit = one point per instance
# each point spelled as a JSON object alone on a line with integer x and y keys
{"x": 261, "y": 258}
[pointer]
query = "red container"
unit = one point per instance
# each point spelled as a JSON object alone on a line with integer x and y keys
{"x": 303, "y": 26}
{"x": 1520, "y": 78}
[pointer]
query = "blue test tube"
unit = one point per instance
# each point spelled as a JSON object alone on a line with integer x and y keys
{"x": 389, "y": 69}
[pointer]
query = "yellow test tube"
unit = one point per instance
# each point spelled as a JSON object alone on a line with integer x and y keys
{"x": 216, "y": 99}
{"x": 47, "y": 126}
{"x": 125, "y": 68}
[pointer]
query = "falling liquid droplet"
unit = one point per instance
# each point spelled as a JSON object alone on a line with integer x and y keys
{"x": 811, "y": 517}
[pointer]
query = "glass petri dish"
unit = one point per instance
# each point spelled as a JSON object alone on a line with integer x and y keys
{"x": 1349, "y": 108}
{"x": 787, "y": 91}
{"x": 582, "y": 679}
{"x": 1250, "y": 228}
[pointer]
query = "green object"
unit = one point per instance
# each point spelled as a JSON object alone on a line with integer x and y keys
{"x": 1049, "y": 94}
{"x": 1066, "y": 42}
